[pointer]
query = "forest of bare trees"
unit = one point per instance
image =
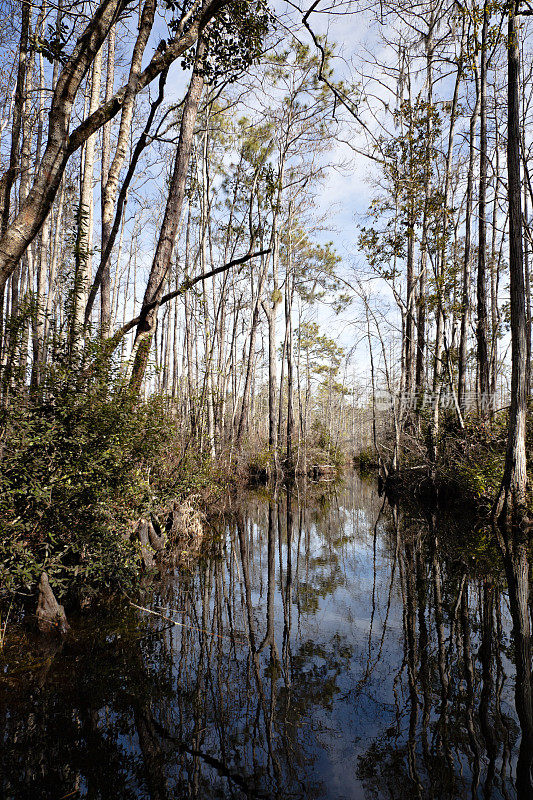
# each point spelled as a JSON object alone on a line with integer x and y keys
{"x": 260, "y": 245}
{"x": 117, "y": 202}
{"x": 449, "y": 230}
{"x": 169, "y": 237}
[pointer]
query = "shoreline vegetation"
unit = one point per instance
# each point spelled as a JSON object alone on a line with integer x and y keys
{"x": 170, "y": 494}
{"x": 174, "y": 321}
{"x": 468, "y": 467}
{"x": 97, "y": 487}
{"x": 174, "y": 533}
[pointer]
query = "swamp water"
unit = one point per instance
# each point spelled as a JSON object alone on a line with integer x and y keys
{"x": 325, "y": 646}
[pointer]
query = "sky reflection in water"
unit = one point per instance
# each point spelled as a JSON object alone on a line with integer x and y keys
{"x": 326, "y": 648}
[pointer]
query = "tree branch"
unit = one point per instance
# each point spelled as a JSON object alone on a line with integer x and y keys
{"x": 139, "y": 147}
{"x": 161, "y": 60}
{"x": 112, "y": 342}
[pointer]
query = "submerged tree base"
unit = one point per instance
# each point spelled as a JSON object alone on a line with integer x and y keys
{"x": 467, "y": 467}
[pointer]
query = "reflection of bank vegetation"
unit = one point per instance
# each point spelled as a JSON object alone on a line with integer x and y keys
{"x": 454, "y": 735}
{"x": 228, "y": 689}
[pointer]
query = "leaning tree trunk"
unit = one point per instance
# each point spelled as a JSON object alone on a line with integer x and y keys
{"x": 167, "y": 236}
{"x": 19, "y": 234}
{"x": 8, "y": 178}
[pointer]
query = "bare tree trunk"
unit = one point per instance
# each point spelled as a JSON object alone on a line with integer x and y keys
{"x": 440, "y": 273}
{"x": 465, "y": 318}
{"x": 245, "y": 406}
{"x": 513, "y": 491}
{"x": 410, "y": 305}
{"x": 106, "y": 156}
{"x": 526, "y": 238}
{"x": 482, "y": 321}
{"x": 54, "y": 262}
{"x": 44, "y": 253}
{"x": 528, "y": 298}
{"x": 289, "y": 455}
{"x": 494, "y": 265}
{"x": 111, "y": 184}
{"x": 167, "y": 236}
{"x": 10, "y": 175}
{"x": 207, "y": 393}
{"x": 272, "y": 384}
{"x": 271, "y": 315}
{"x": 84, "y": 243}
{"x": 421, "y": 320}
{"x": 188, "y": 337}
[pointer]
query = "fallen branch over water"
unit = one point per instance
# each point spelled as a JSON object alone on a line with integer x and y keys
{"x": 180, "y": 624}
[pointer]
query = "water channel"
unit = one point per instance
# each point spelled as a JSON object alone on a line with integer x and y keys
{"x": 325, "y": 645}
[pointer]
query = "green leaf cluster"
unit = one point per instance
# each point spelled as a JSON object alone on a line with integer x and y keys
{"x": 75, "y": 467}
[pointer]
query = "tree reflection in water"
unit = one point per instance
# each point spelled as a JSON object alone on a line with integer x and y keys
{"x": 326, "y": 647}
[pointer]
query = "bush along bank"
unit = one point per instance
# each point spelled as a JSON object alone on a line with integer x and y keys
{"x": 316, "y": 456}
{"x": 94, "y": 487}
{"x": 467, "y": 470}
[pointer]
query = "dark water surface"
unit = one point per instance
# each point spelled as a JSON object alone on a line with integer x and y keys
{"x": 326, "y": 647}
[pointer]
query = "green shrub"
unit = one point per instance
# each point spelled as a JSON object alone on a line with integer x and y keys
{"x": 365, "y": 461}
{"x": 260, "y": 463}
{"x": 474, "y": 458}
{"x": 323, "y": 445}
{"x": 75, "y": 464}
